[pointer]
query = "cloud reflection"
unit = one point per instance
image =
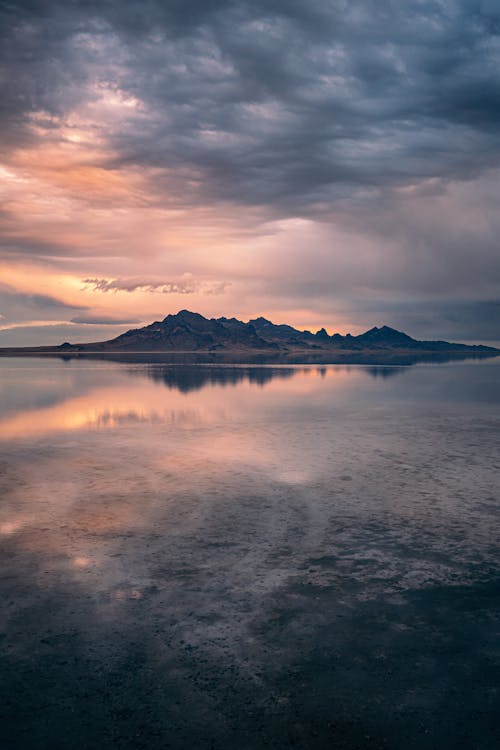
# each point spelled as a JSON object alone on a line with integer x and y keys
{"x": 194, "y": 395}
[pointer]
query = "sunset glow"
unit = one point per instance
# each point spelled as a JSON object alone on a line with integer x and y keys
{"x": 209, "y": 164}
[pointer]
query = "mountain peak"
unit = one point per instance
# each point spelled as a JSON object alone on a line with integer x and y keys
{"x": 322, "y": 334}
{"x": 385, "y": 335}
{"x": 185, "y": 315}
{"x": 388, "y": 329}
{"x": 261, "y": 321}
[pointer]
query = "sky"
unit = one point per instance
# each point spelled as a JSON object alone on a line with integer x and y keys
{"x": 333, "y": 163}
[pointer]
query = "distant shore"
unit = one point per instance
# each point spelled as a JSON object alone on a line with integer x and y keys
{"x": 259, "y": 356}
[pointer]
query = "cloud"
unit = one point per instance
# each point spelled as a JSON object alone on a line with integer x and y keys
{"x": 182, "y": 286}
{"x": 103, "y": 320}
{"x": 16, "y": 306}
{"x": 454, "y": 320}
{"x": 56, "y": 333}
{"x": 322, "y": 157}
{"x": 262, "y": 103}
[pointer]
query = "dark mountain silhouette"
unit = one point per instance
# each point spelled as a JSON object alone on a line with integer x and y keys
{"x": 191, "y": 332}
{"x": 386, "y": 336}
{"x": 188, "y": 331}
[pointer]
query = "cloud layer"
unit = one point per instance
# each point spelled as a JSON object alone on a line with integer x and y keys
{"x": 310, "y": 161}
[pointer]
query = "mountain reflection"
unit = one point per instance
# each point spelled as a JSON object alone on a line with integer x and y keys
{"x": 194, "y": 378}
{"x": 384, "y": 372}
{"x": 82, "y": 395}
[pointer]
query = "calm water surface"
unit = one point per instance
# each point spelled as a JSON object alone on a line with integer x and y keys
{"x": 248, "y": 557}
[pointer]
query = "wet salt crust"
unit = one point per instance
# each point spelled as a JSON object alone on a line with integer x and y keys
{"x": 249, "y": 557}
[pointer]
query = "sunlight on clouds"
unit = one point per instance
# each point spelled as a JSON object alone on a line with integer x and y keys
{"x": 110, "y": 96}
{"x": 9, "y": 176}
{"x": 32, "y": 323}
{"x": 255, "y": 152}
{"x": 67, "y": 166}
{"x": 10, "y": 527}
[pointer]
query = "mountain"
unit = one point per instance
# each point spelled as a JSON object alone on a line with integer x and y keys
{"x": 188, "y": 331}
{"x": 191, "y": 332}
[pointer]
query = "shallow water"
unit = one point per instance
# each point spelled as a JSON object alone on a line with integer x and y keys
{"x": 249, "y": 556}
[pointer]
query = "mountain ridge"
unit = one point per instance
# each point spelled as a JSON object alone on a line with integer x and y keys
{"x": 188, "y": 331}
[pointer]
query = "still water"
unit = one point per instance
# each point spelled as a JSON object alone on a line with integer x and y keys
{"x": 249, "y": 556}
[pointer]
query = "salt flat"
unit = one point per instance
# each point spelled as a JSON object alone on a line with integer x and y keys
{"x": 246, "y": 557}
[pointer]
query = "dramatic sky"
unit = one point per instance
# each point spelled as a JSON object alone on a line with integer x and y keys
{"x": 332, "y": 163}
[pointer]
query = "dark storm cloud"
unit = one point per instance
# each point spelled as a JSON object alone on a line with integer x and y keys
{"x": 453, "y": 320}
{"x": 378, "y": 118}
{"x": 270, "y": 102}
{"x": 20, "y": 246}
{"x": 19, "y": 306}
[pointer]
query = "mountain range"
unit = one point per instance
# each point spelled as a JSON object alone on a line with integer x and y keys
{"x": 191, "y": 332}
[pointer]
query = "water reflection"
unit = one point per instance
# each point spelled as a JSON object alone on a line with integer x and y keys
{"x": 45, "y": 396}
{"x": 375, "y": 358}
{"x": 252, "y": 541}
{"x": 193, "y": 378}
{"x": 190, "y": 378}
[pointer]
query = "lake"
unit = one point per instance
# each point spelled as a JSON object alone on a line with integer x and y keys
{"x": 247, "y": 556}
